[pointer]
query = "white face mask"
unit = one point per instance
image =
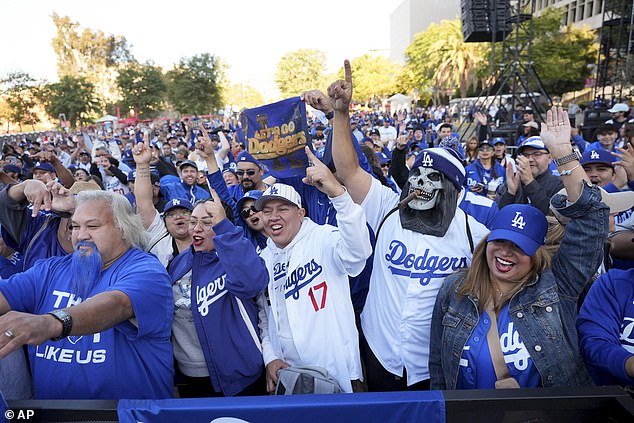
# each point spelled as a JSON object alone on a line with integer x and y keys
{"x": 429, "y": 182}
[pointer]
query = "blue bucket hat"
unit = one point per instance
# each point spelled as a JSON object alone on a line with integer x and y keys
{"x": 521, "y": 224}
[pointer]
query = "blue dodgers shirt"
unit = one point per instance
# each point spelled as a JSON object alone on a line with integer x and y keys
{"x": 476, "y": 367}
{"x": 125, "y": 361}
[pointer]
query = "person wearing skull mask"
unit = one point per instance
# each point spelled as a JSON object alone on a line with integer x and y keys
{"x": 418, "y": 245}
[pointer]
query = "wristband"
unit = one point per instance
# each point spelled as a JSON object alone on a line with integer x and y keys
{"x": 569, "y": 171}
{"x": 330, "y": 115}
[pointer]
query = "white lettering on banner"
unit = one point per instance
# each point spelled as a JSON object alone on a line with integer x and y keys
{"x": 65, "y": 355}
{"x": 207, "y": 295}
{"x": 510, "y": 341}
{"x": 627, "y": 334}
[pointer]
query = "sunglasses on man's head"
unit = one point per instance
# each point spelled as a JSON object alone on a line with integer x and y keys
{"x": 249, "y": 172}
{"x": 247, "y": 211}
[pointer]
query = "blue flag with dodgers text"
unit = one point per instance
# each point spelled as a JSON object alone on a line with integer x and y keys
{"x": 276, "y": 134}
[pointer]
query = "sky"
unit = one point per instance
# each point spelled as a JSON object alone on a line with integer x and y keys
{"x": 248, "y": 35}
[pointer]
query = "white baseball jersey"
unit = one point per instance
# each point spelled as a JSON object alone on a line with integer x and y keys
{"x": 310, "y": 316}
{"x": 409, "y": 269}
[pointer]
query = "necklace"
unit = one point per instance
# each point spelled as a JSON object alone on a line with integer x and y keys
{"x": 501, "y": 294}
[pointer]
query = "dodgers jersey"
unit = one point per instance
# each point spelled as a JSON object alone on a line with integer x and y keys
{"x": 409, "y": 269}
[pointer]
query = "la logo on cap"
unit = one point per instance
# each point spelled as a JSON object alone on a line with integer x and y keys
{"x": 176, "y": 202}
{"x": 594, "y": 154}
{"x": 273, "y": 190}
{"x": 428, "y": 161}
{"x": 518, "y": 221}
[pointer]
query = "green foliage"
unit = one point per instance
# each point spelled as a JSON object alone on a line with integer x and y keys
{"x": 438, "y": 60}
{"x": 20, "y": 91}
{"x": 194, "y": 85}
{"x": 299, "y": 71}
{"x": 91, "y": 54}
{"x": 373, "y": 77}
{"x": 242, "y": 96}
{"x": 561, "y": 56}
{"x": 142, "y": 88}
{"x": 73, "y": 96}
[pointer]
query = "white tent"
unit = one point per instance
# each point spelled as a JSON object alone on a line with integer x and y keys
{"x": 107, "y": 118}
{"x": 400, "y": 102}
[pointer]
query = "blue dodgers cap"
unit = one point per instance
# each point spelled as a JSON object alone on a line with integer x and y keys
{"x": 499, "y": 140}
{"x": 244, "y": 156}
{"x": 254, "y": 194}
{"x": 485, "y": 142}
{"x": 44, "y": 166}
{"x": 521, "y": 224}
{"x": 11, "y": 168}
{"x": 177, "y": 203}
{"x": 597, "y": 156}
{"x": 443, "y": 160}
{"x": 534, "y": 142}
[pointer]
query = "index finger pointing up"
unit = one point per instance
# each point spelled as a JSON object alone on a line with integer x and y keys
{"x": 347, "y": 70}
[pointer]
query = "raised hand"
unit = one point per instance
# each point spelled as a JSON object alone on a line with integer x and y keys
{"x": 203, "y": 143}
{"x": 142, "y": 152}
{"x": 512, "y": 179}
{"x": 556, "y": 132}
{"x": 62, "y": 200}
{"x": 319, "y": 176}
{"x": 340, "y": 92}
{"x": 214, "y": 208}
{"x": 317, "y": 100}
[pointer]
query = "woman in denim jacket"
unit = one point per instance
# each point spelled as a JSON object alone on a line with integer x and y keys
{"x": 535, "y": 304}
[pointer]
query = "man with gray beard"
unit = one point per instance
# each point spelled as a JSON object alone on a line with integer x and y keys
{"x": 97, "y": 321}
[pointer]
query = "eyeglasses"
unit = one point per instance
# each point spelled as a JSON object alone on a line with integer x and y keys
{"x": 536, "y": 154}
{"x": 205, "y": 224}
{"x": 250, "y": 172}
{"x": 176, "y": 213}
{"x": 485, "y": 148}
{"x": 246, "y": 212}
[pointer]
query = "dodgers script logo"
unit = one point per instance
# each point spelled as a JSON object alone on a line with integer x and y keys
{"x": 300, "y": 277}
{"x": 425, "y": 267}
{"x": 207, "y": 295}
{"x": 513, "y": 348}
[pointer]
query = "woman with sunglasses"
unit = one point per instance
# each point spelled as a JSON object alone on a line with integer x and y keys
{"x": 484, "y": 175}
{"x": 215, "y": 329}
{"x": 509, "y": 319}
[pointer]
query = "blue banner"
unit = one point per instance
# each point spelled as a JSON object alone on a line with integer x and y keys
{"x": 383, "y": 407}
{"x": 276, "y": 134}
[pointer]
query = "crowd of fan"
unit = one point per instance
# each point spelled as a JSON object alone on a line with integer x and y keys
{"x": 163, "y": 259}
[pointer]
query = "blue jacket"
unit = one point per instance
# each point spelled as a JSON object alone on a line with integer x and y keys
{"x": 225, "y": 283}
{"x": 544, "y": 311}
{"x": 475, "y": 173}
{"x": 173, "y": 187}
{"x": 606, "y": 327}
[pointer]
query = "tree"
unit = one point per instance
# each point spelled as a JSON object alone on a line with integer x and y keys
{"x": 373, "y": 76}
{"x": 299, "y": 71}
{"x": 91, "y": 54}
{"x": 440, "y": 60}
{"x": 142, "y": 88}
{"x": 21, "y": 93}
{"x": 73, "y": 96}
{"x": 561, "y": 55}
{"x": 194, "y": 85}
{"x": 242, "y": 96}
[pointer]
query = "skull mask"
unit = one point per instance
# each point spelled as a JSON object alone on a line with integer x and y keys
{"x": 429, "y": 182}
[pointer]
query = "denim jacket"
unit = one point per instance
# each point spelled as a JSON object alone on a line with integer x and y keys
{"x": 543, "y": 311}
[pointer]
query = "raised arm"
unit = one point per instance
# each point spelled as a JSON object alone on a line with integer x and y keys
{"x": 142, "y": 154}
{"x": 356, "y": 180}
